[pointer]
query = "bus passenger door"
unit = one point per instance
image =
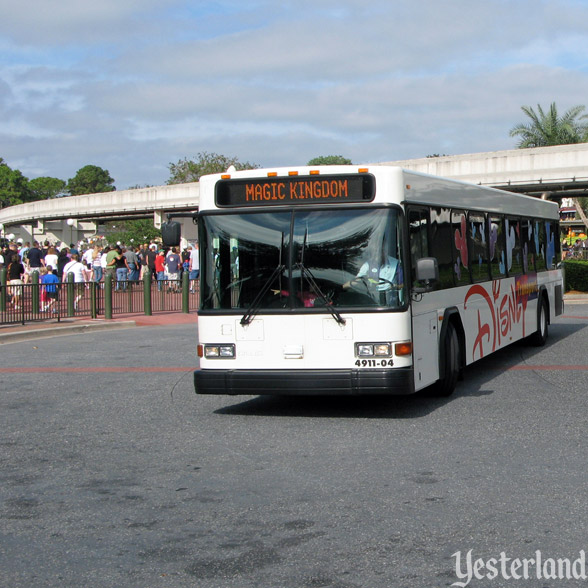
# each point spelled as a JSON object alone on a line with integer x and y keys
{"x": 425, "y": 323}
{"x": 425, "y": 344}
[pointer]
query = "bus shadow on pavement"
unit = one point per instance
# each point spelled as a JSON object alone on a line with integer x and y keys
{"x": 476, "y": 383}
{"x": 352, "y": 407}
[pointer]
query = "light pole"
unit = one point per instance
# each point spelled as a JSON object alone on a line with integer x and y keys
{"x": 70, "y": 222}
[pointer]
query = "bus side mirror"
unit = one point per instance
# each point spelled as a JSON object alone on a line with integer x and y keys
{"x": 427, "y": 272}
{"x": 171, "y": 233}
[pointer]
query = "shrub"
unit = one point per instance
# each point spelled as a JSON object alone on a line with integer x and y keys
{"x": 576, "y": 275}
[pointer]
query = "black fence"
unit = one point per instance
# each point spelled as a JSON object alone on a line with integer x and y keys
{"x": 24, "y": 303}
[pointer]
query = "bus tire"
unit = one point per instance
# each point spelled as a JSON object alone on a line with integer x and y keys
{"x": 539, "y": 337}
{"x": 450, "y": 361}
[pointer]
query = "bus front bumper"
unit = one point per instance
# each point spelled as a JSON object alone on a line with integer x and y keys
{"x": 305, "y": 382}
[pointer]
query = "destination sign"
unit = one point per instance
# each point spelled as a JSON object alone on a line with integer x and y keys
{"x": 326, "y": 189}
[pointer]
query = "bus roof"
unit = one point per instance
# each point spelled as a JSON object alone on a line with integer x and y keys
{"x": 401, "y": 186}
{"x": 436, "y": 191}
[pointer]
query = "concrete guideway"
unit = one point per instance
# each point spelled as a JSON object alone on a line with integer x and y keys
{"x": 560, "y": 171}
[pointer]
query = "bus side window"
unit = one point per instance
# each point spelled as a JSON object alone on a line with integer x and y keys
{"x": 527, "y": 245}
{"x": 419, "y": 241}
{"x": 557, "y": 243}
{"x": 441, "y": 244}
{"x": 461, "y": 261}
{"x": 539, "y": 244}
{"x": 514, "y": 254}
{"x": 550, "y": 250}
{"x": 478, "y": 247}
{"x": 497, "y": 247}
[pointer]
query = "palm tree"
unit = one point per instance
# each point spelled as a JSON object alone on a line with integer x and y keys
{"x": 551, "y": 129}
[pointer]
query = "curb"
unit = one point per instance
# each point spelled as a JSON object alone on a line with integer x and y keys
{"x": 576, "y": 299}
{"x": 19, "y": 336}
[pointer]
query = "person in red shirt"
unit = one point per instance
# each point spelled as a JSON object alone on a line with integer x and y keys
{"x": 160, "y": 269}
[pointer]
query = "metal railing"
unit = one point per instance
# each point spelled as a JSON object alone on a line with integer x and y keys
{"x": 579, "y": 254}
{"x": 23, "y": 303}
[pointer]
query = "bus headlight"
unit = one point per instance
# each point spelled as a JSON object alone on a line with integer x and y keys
{"x": 219, "y": 351}
{"x": 373, "y": 350}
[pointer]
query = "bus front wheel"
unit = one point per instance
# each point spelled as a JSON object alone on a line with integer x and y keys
{"x": 450, "y": 358}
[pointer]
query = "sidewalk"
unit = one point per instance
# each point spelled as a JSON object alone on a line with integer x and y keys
{"x": 576, "y": 298}
{"x": 75, "y": 325}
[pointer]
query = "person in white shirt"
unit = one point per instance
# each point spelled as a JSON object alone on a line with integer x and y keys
{"x": 194, "y": 270}
{"x": 87, "y": 261}
{"x": 76, "y": 268}
{"x": 51, "y": 258}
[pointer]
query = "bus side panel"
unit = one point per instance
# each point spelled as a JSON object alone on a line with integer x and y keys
{"x": 498, "y": 313}
{"x": 493, "y": 315}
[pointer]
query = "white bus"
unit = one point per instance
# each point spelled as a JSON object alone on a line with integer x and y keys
{"x": 376, "y": 280}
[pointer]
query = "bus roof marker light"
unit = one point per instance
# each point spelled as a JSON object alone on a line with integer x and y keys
{"x": 292, "y": 173}
{"x": 226, "y": 177}
{"x": 272, "y": 174}
{"x": 363, "y": 170}
{"x": 314, "y": 172}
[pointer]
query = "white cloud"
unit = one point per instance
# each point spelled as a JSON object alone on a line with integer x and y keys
{"x": 132, "y": 85}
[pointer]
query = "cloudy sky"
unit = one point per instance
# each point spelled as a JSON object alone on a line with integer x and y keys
{"x": 132, "y": 85}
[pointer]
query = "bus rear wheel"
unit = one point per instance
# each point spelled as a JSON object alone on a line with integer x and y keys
{"x": 539, "y": 337}
{"x": 446, "y": 385}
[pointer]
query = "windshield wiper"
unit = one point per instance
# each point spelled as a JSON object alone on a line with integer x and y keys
{"x": 252, "y": 310}
{"x": 328, "y": 303}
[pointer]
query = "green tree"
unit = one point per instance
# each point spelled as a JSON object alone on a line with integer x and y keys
{"x": 330, "y": 160}
{"x": 190, "y": 170}
{"x": 14, "y": 187}
{"x": 132, "y": 232}
{"x": 44, "y": 188}
{"x": 90, "y": 179}
{"x": 549, "y": 128}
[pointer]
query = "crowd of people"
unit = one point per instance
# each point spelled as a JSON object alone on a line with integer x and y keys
{"x": 92, "y": 263}
{"x": 577, "y": 249}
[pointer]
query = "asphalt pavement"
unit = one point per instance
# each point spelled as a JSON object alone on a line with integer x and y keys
{"x": 115, "y": 473}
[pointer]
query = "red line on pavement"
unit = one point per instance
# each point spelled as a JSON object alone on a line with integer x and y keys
{"x": 82, "y": 370}
{"x": 543, "y": 368}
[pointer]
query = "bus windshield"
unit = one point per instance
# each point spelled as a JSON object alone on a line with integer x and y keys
{"x": 302, "y": 259}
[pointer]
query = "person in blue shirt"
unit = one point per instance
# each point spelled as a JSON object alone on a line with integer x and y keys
{"x": 383, "y": 276}
{"x": 50, "y": 281}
